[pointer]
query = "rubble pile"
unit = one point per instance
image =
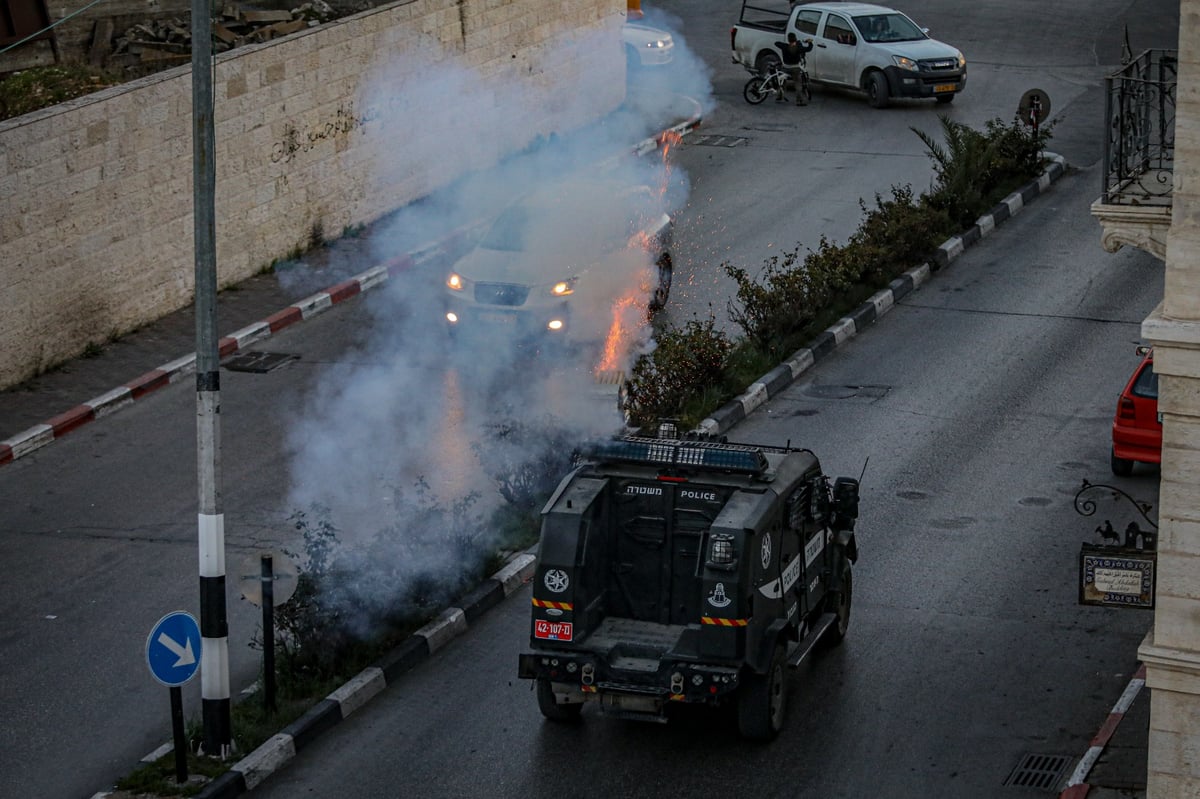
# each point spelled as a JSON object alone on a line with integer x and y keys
{"x": 166, "y": 42}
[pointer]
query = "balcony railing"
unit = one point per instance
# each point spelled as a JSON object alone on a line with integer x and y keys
{"x": 1139, "y": 150}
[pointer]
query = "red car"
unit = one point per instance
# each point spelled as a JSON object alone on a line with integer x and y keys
{"x": 1137, "y": 426}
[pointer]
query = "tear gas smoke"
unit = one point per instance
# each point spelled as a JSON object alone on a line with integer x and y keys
{"x": 410, "y": 405}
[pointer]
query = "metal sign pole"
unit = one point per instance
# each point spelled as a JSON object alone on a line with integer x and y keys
{"x": 181, "y": 772}
{"x": 268, "y": 609}
{"x": 214, "y": 672}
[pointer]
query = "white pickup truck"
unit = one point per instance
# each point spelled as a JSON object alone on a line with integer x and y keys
{"x": 870, "y": 48}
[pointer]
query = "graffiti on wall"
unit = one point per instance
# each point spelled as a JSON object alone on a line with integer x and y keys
{"x": 341, "y": 123}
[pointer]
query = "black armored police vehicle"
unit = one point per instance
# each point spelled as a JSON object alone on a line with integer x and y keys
{"x": 684, "y": 570}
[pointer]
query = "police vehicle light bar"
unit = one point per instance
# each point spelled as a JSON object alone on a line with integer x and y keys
{"x": 709, "y": 455}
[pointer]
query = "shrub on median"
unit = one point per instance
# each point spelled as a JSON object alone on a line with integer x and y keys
{"x": 794, "y": 297}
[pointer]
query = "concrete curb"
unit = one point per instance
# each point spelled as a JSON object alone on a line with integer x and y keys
{"x": 1077, "y": 785}
{"x": 452, "y": 622}
{"x": 779, "y": 378}
{"x": 277, "y": 751}
{"x": 113, "y": 400}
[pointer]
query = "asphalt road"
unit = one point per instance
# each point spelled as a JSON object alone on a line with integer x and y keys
{"x": 982, "y": 402}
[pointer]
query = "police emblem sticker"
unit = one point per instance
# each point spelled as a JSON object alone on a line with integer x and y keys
{"x": 556, "y": 580}
{"x": 766, "y": 551}
{"x": 718, "y": 598}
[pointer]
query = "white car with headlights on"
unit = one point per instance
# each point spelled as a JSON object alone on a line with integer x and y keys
{"x": 646, "y": 46}
{"x": 557, "y": 261}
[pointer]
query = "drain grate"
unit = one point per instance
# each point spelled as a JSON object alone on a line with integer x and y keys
{"x": 715, "y": 140}
{"x": 1038, "y": 771}
{"x": 258, "y": 362}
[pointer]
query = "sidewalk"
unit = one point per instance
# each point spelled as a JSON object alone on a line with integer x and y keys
{"x": 1114, "y": 767}
{"x": 34, "y": 413}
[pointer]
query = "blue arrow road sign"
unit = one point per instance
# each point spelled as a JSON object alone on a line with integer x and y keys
{"x": 173, "y": 648}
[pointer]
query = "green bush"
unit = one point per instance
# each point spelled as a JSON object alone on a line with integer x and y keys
{"x": 974, "y": 168}
{"x": 687, "y": 361}
{"x": 793, "y": 297}
{"x": 792, "y": 294}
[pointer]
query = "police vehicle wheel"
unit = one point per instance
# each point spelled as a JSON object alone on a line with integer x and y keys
{"x": 550, "y": 707}
{"x": 762, "y": 701}
{"x": 1120, "y": 466}
{"x": 839, "y": 604}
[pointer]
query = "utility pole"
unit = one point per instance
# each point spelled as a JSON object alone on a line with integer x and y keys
{"x": 214, "y": 628}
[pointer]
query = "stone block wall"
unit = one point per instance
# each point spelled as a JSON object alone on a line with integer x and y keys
{"x": 1171, "y": 651}
{"x": 323, "y": 130}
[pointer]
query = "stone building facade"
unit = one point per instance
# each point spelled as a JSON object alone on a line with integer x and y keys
{"x": 1171, "y": 230}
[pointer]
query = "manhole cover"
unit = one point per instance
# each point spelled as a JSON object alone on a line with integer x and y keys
{"x": 716, "y": 140}
{"x": 258, "y": 362}
{"x": 1038, "y": 771}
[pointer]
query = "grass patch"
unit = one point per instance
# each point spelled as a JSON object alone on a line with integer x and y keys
{"x": 39, "y": 87}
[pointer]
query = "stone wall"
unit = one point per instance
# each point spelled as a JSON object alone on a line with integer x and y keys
{"x": 323, "y": 130}
{"x": 1171, "y": 651}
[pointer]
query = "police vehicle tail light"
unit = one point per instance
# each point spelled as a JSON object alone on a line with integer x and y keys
{"x": 720, "y": 551}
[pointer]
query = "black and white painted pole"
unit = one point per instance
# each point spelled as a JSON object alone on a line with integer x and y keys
{"x": 214, "y": 630}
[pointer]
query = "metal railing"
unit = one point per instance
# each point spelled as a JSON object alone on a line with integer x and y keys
{"x": 1139, "y": 149}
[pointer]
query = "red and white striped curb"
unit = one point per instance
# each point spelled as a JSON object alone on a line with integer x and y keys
{"x": 1076, "y": 787}
{"x": 42, "y": 434}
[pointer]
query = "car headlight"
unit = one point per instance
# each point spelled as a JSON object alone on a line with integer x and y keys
{"x": 658, "y": 44}
{"x": 563, "y": 287}
{"x": 905, "y": 63}
{"x": 456, "y": 282}
{"x": 962, "y": 61}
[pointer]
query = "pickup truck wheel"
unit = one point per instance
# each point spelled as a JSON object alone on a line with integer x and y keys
{"x": 762, "y": 701}
{"x": 662, "y": 289}
{"x": 753, "y": 92}
{"x": 550, "y": 707}
{"x": 765, "y": 63}
{"x": 839, "y": 604}
{"x": 877, "y": 90}
{"x": 1120, "y": 466}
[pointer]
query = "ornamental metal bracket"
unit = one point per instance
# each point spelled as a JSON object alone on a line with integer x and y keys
{"x": 1086, "y": 506}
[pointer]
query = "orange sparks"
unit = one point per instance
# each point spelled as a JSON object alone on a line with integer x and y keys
{"x": 626, "y": 318}
{"x": 669, "y": 139}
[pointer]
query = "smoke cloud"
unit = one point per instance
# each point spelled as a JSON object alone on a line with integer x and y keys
{"x": 412, "y": 414}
